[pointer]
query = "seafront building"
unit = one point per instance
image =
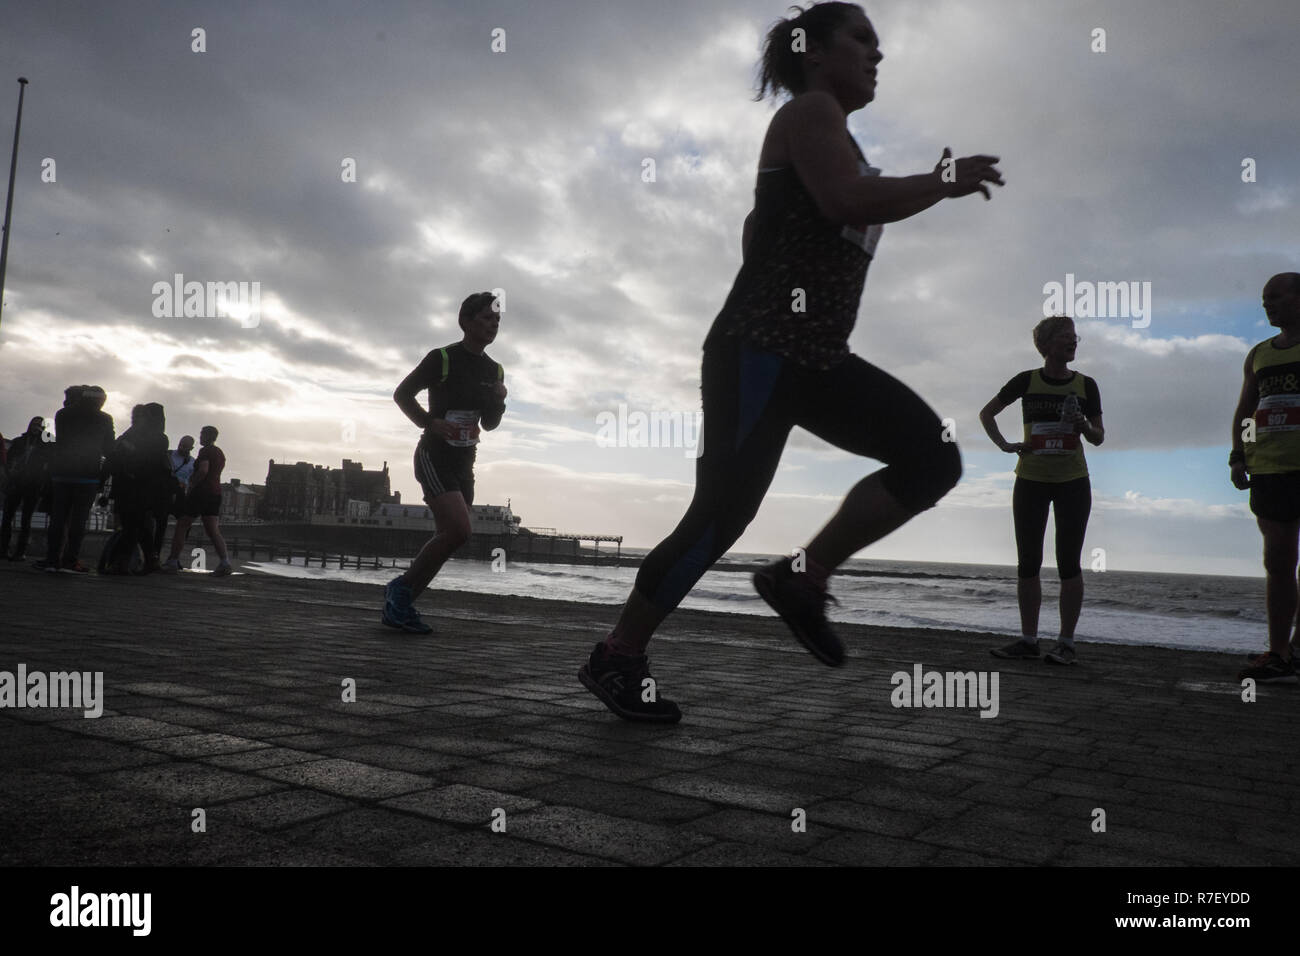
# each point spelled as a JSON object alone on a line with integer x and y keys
{"x": 299, "y": 491}
{"x": 483, "y": 519}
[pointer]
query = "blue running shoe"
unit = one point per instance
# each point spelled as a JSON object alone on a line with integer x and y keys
{"x": 398, "y": 611}
{"x": 414, "y": 623}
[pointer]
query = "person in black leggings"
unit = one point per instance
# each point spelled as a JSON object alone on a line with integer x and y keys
{"x": 1058, "y": 407}
{"x": 777, "y": 356}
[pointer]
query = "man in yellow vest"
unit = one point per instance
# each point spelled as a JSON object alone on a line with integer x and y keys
{"x": 1266, "y": 459}
{"x": 467, "y": 394}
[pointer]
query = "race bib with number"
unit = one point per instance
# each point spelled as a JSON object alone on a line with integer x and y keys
{"x": 466, "y": 423}
{"x": 1278, "y": 413}
{"x": 1053, "y": 438}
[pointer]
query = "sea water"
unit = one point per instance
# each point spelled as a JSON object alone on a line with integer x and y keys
{"x": 1195, "y": 612}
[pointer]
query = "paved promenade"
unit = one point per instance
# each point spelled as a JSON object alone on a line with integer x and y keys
{"x": 226, "y": 695}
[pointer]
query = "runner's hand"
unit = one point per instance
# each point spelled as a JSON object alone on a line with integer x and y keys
{"x": 1240, "y": 479}
{"x": 444, "y": 429}
{"x": 973, "y": 173}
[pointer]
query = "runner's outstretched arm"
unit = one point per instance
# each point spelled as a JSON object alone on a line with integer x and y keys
{"x": 826, "y": 164}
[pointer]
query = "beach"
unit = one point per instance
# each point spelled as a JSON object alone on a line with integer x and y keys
{"x": 308, "y": 733}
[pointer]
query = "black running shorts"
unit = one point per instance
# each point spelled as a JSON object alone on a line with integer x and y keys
{"x": 444, "y": 469}
{"x": 201, "y": 504}
{"x": 1276, "y": 497}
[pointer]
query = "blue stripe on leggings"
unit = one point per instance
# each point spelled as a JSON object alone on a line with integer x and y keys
{"x": 758, "y": 374}
{"x": 690, "y": 567}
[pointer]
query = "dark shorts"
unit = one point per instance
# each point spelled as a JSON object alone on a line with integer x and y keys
{"x": 200, "y": 504}
{"x": 174, "y": 504}
{"x": 1276, "y": 497}
{"x": 444, "y": 469}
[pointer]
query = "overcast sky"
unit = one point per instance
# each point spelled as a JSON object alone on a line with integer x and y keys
{"x": 522, "y": 169}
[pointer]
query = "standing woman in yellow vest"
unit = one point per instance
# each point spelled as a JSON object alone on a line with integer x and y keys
{"x": 1269, "y": 465}
{"x": 1059, "y": 408}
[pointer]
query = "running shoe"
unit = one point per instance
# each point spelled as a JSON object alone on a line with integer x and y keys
{"x": 222, "y": 569}
{"x": 801, "y": 603}
{"x": 620, "y": 683}
{"x": 1269, "y": 669}
{"x": 171, "y": 566}
{"x": 1017, "y": 650}
{"x": 414, "y": 623}
{"x": 74, "y": 567}
{"x": 399, "y": 612}
{"x": 1295, "y": 651}
{"x": 43, "y": 565}
{"x": 1062, "y": 653}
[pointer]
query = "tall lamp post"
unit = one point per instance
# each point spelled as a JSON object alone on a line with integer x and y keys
{"x": 9, "y": 200}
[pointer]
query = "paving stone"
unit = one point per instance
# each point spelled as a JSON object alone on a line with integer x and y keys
{"x": 611, "y": 837}
{"x": 188, "y": 784}
{"x": 476, "y": 848}
{"x": 740, "y": 854}
{"x": 459, "y": 803}
{"x": 348, "y": 778}
{"x": 636, "y": 802}
{"x": 374, "y": 834}
{"x": 280, "y": 809}
{"x": 253, "y": 730}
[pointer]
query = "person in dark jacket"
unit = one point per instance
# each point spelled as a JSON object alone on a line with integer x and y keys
{"x": 172, "y": 503}
{"x": 141, "y": 475}
{"x": 83, "y": 438}
{"x": 25, "y": 474}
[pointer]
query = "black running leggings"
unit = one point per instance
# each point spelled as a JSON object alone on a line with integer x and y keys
{"x": 752, "y": 399}
{"x": 1029, "y": 503}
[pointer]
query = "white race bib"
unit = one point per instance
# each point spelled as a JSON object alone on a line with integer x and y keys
{"x": 1053, "y": 438}
{"x": 467, "y": 423}
{"x": 1278, "y": 413}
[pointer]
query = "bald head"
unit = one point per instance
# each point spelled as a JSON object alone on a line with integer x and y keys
{"x": 1281, "y": 300}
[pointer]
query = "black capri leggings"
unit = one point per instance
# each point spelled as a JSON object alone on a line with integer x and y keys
{"x": 1029, "y": 503}
{"x": 752, "y": 399}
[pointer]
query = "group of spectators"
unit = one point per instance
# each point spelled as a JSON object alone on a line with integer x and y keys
{"x": 61, "y": 471}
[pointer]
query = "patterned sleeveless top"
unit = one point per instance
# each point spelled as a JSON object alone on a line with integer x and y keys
{"x": 798, "y": 290}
